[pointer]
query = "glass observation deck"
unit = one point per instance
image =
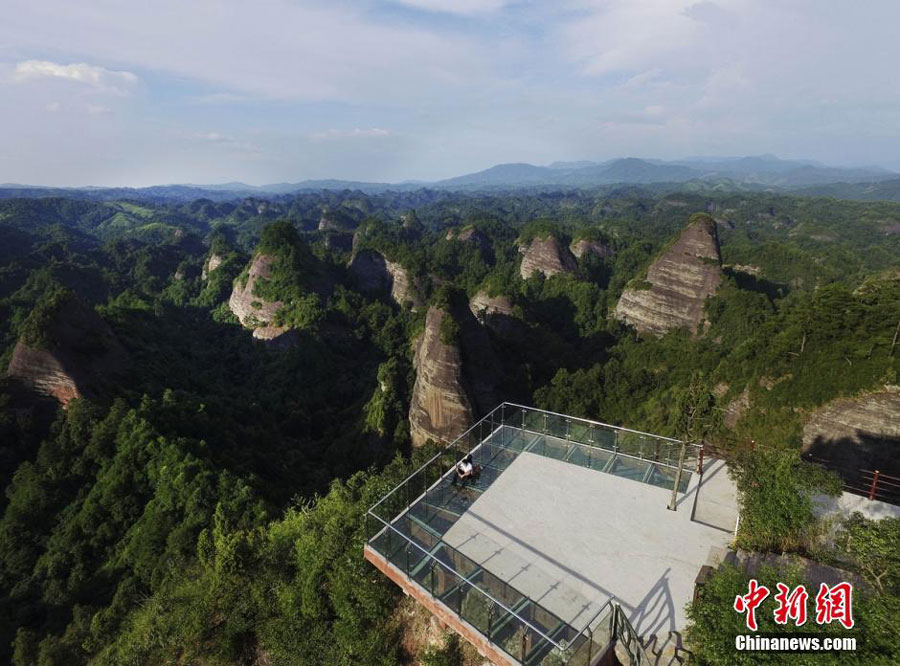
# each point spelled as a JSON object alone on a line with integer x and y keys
{"x": 531, "y": 616}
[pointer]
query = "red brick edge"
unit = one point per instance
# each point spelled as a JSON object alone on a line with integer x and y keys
{"x": 487, "y": 649}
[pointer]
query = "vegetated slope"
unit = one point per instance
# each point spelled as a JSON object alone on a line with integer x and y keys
{"x": 173, "y": 516}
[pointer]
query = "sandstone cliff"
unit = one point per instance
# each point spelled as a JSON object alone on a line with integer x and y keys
{"x": 857, "y": 433}
{"x": 584, "y": 246}
{"x": 375, "y": 274}
{"x": 212, "y": 263}
{"x": 545, "y": 255}
{"x": 78, "y": 354}
{"x": 336, "y": 221}
{"x": 495, "y": 312}
{"x": 251, "y": 310}
{"x": 678, "y": 283}
{"x": 456, "y": 379}
{"x": 440, "y": 408}
{"x": 471, "y": 235}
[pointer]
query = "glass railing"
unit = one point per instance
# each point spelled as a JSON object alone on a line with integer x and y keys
{"x": 407, "y": 525}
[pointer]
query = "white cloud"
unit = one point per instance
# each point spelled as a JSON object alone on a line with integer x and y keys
{"x": 356, "y": 133}
{"x": 630, "y": 35}
{"x": 98, "y": 109}
{"x": 465, "y": 7}
{"x": 310, "y": 51}
{"x": 227, "y": 141}
{"x": 100, "y": 78}
{"x": 217, "y": 99}
{"x": 53, "y": 107}
{"x": 213, "y": 137}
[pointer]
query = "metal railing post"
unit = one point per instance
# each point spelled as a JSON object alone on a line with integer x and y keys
{"x": 874, "y": 485}
{"x": 590, "y": 638}
{"x": 672, "y": 503}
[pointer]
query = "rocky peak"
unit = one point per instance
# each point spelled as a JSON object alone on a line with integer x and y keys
{"x": 456, "y": 375}
{"x": 471, "y": 235}
{"x": 597, "y": 248}
{"x": 410, "y": 222}
{"x": 253, "y": 311}
{"x": 440, "y": 408}
{"x": 375, "y": 274}
{"x": 677, "y": 284}
{"x": 70, "y": 351}
{"x": 254, "y": 205}
{"x": 212, "y": 263}
{"x": 484, "y": 304}
{"x": 495, "y": 312}
{"x": 336, "y": 221}
{"x": 545, "y": 254}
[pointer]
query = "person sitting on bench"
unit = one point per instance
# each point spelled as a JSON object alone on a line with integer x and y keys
{"x": 465, "y": 470}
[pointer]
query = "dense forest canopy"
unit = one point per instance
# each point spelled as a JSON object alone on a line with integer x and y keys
{"x": 204, "y": 505}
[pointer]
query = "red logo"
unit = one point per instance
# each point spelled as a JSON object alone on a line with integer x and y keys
{"x": 791, "y": 605}
{"x": 750, "y": 601}
{"x": 833, "y": 604}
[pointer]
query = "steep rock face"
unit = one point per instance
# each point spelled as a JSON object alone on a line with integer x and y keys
{"x": 212, "y": 263}
{"x": 482, "y": 303}
{"x": 496, "y": 312}
{"x": 83, "y": 356}
{"x": 44, "y": 373}
{"x": 339, "y": 241}
{"x": 336, "y": 221}
{"x": 470, "y": 235}
{"x": 455, "y": 381}
{"x": 376, "y": 274}
{"x": 678, "y": 283}
{"x": 547, "y": 256}
{"x": 255, "y": 206}
{"x": 251, "y": 310}
{"x": 440, "y": 407}
{"x": 736, "y": 409}
{"x": 857, "y": 433}
{"x": 584, "y": 246}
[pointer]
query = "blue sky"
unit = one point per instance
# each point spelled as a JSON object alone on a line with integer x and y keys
{"x": 115, "y": 92}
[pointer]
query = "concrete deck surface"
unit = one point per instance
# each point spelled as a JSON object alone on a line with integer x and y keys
{"x": 570, "y": 537}
{"x": 716, "y": 503}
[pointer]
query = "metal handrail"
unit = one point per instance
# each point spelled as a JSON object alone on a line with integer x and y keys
{"x": 599, "y": 423}
{"x": 503, "y": 422}
{"x": 469, "y": 582}
{"x": 594, "y": 445}
{"x": 436, "y": 456}
{"x": 587, "y": 625}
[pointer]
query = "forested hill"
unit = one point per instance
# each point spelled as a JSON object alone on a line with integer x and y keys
{"x": 237, "y": 388}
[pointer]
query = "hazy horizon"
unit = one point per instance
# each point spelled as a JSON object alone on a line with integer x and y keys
{"x": 390, "y": 91}
{"x": 694, "y": 159}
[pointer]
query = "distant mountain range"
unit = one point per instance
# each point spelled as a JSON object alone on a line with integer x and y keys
{"x": 757, "y": 172}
